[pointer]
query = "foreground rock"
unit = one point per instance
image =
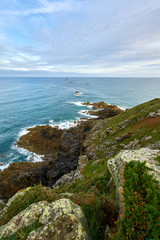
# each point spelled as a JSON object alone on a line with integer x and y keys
{"x": 116, "y": 166}
{"x": 61, "y": 219}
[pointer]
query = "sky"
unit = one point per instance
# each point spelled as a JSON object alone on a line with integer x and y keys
{"x": 118, "y": 38}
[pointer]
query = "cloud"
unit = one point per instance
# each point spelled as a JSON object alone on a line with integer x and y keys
{"x": 81, "y": 37}
{"x": 45, "y": 8}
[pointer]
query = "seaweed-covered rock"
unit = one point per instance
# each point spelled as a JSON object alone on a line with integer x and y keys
{"x": 59, "y": 219}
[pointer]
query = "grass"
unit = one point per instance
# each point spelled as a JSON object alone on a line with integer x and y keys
{"x": 35, "y": 194}
{"x": 138, "y": 124}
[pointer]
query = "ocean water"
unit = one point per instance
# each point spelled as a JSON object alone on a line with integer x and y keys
{"x": 26, "y": 102}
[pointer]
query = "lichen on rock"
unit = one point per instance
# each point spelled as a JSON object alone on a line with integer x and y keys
{"x": 54, "y": 217}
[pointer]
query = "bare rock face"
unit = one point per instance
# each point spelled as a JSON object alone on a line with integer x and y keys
{"x": 60, "y": 220}
{"x": 21, "y": 175}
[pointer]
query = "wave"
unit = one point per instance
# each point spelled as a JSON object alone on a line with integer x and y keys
{"x": 122, "y": 107}
{"x": 66, "y": 124}
{"x": 30, "y": 156}
{"x": 4, "y": 166}
{"x": 80, "y": 104}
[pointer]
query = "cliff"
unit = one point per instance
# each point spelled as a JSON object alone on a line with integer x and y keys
{"x": 96, "y": 184}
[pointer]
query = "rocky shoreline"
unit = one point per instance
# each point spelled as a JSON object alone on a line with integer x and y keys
{"x": 61, "y": 150}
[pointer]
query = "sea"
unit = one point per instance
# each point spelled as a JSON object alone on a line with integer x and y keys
{"x": 26, "y": 102}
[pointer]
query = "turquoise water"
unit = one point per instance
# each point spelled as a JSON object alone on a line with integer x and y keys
{"x": 26, "y": 102}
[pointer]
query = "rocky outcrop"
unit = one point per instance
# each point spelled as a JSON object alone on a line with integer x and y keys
{"x": 116, "y": 166}
{"x": 100, "y": 105}
{"x": 21, "y": 175}
{"x": 104, "y": 110}
{"x": 61, "y": 219}
{"x": 61, "y": 148}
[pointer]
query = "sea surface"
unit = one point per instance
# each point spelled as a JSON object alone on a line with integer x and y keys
{"x": 26, "y": 102}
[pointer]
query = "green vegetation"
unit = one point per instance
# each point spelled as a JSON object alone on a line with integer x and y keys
{"x": 92, "y": 194}
{"x": 23, "y": 233}
{"x": 157, "y": 159}
{"x": 98, "y": 201}
{"x": 134, "y": 121}
{"x": 140, "y": 219}
{"x": 36, "y": 194}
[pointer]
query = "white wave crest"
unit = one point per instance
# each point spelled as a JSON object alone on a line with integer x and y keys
{"x": 81, "y": 104}
{"x": 4, "y": 166}
{"x": 66, "y": 124}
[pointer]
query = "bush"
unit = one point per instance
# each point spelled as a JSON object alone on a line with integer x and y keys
{"x": 142, "y": 204}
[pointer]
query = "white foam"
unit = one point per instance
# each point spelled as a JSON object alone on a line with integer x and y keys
{"x": 51, "y": 121}
{"x": 23, "y": 132}
{"x": 122, "y": 108}
{"x": 66, "y": 124}
{"x": 81, "y": 104}
{"x": 30, "y": 156}
{"x": 87, "y": 114}
{"x": 2, "y": 167}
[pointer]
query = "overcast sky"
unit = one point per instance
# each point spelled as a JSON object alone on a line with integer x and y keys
{"x": 80, "y": 38}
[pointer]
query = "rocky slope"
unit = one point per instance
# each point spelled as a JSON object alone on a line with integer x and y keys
{"x": 60, "y": 148}
{"x": 95, "y": 183}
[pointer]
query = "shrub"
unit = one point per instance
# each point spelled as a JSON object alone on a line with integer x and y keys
{"x": 142, "y": 204}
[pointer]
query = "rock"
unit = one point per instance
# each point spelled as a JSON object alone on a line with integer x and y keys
{"x": 123, "y": 137}
{"x": 21, "y": 175}
{"x": 125, "y": 123}
{"x": 105, "y": 113}
{"x": 66, "y": 227}
{"x": 68, "y": 178}
{"x": 155, "y": 145}
{"x": 147, "y": 138}
{"x": 135, "y": 144}
{"x": 60, "y": 219}
{"x": 158, "y": 113}
{"x": 42, "y": 140}
{"x": 77, "y": 92}
{"x": 151, "y": 114}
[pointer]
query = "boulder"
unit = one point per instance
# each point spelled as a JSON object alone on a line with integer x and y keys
{"x": 59, "y": 219}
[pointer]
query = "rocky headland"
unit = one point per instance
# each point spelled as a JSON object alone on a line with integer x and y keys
{"x": 84, "y": 169}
